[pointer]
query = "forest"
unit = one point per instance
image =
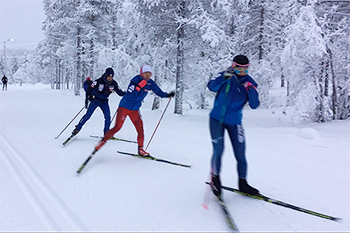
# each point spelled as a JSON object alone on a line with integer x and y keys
{"x": 299, "y": 47}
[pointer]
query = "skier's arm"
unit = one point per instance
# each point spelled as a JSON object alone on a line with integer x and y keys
{"x": 119, "y": 91}
{"x": 156, "y": 89}
{"x": 215, "y": 84}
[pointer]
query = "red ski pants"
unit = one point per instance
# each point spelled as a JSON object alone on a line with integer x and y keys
{"x": 135, "y": 117}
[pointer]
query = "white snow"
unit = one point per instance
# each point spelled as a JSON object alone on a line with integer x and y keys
{"x": 306, "y": 165}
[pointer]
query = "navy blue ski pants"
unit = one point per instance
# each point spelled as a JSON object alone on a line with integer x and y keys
{"x": 236, "y": 134}
{"x": 103, "y": 104}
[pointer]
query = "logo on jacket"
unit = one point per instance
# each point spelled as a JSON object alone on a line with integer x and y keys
{"x": 100, "y": 87}
{"x": 111, "y": 87}
{"x": 131, "y": 88}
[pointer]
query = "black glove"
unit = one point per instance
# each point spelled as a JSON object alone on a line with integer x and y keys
{"x": 86, "y": 103}
{"x": 171, "y": 94}
{"x": 229, "y": 72}
{"x": 91, "y": 97}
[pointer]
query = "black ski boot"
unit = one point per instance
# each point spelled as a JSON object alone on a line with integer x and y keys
{"x": 75, "y": 132}
{"x": 216, "y": 185}
{"x": 246, "y": 188}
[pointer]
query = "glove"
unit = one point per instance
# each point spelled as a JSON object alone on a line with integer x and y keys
{"x": 86, "y": 103}
{"x": 171, "y": 94}
{"x": 91, "y": 97}
{"x": 249, "y": 85}
{"x": 229, "y": 72}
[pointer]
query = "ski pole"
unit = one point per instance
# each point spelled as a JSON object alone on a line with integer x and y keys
{"x": 70, "y": 122}
{"x": 114, "y": 115}
{"x": 158, "y": 123}
{"x": 207, "y": 195}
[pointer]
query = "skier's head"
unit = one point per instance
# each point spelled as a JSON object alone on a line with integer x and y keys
{"x": 88, "y": 78}
{"x": 241, "y": 65}
{"x": 146, "y": 72}
{"x": 109, "y": 74}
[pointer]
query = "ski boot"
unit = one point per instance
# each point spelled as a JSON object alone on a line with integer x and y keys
{"x": 216, "y": 185}
{"x": 142, "y": 152}
{"x": 246, "y": 188}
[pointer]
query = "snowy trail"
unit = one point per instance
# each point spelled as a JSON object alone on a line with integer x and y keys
{"x": 52, "y": 211}
{"x": 305, "y": 165}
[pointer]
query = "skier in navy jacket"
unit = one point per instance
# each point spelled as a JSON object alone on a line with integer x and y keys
{"x": 130, "y": 104}
{"x": 102, "y": 88}
{"x": 234, "y": 89}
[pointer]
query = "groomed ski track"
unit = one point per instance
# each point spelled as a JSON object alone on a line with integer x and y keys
{"x": 54, "y": 214}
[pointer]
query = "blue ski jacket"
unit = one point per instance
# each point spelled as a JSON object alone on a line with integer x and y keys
{"x": 231, "y": 97}
{"x": 88, "y": 86}
{"x": 132, "y": 100}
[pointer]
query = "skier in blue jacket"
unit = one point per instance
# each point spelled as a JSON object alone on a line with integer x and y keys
{"x": 101, "y": 89}
{"x": 130, "y": 105}
{"x": 234, "y": 88}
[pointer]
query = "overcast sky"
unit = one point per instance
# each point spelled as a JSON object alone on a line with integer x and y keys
{"x": 22, "y": 21}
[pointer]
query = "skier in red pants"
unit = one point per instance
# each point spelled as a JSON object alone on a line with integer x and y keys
{"x": 130, "y": 104}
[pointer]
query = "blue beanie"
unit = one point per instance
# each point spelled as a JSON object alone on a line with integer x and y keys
{"x": 109, "y": 72}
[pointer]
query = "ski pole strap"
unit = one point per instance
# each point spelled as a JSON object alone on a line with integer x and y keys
{"x": 224, "y": 108}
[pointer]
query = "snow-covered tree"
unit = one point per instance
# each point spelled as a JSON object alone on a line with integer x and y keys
{"x": 335, "y": 23}
{"x": 189, "y": 42}
{"x": 303, "y": 54}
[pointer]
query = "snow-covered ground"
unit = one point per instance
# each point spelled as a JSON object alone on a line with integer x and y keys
{"x": 305, "y": 165}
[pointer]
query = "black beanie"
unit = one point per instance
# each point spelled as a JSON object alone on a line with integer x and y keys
{"x": 109, "y": 72}
{"x": 241, "y": 60}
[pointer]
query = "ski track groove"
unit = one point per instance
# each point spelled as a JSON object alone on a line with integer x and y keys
{"x": 50, "y": 208}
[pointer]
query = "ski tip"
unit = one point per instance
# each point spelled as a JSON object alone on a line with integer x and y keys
{"x": 79, "y": 171}
{"x": 205, "y": 206}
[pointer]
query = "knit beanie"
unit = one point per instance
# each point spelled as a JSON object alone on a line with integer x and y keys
{"x": 109, "y": 72}
{"x": 241, "y": 60}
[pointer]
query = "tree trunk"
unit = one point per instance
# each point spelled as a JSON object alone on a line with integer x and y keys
{"x": 114, "y": 30}
{"x": 283, "y": 78}
{"x": 334, "y": 87}
{"x": 77, "y": 85}
{"x": 57, "y": 73}
{"x": 52, "y": 73}
{"x": 156, "y": 100}
{"x": 261, "y": 31}
{"x": 92, "y": 58}
{"x": 326, "y": 78}
{"x": 202, "y": 103}
{"x": 180, "y": 60}
{"x": 320, "y": 111}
